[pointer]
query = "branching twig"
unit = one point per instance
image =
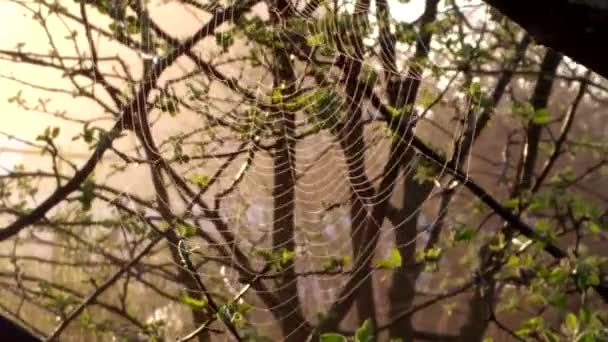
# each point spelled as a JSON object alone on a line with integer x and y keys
{"x": 102, "y": 288}
{"x": 184, "y": 254}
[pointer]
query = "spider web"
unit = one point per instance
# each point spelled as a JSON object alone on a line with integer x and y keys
{"x": 239, "y": 128}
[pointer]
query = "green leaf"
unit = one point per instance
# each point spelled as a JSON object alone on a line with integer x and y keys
{"x": 498, "y": 243}
{"x": 394, "y": 111}
{"x": 114, "y": 27}
{"x": 238, "y": 320}
{"x": 197, "y": 304}
{"x": 585, "y": 316}
{"x": 513, "y": 261}
{"x": 315, "y": 40}
{"x": 169, "y": 105}
{"x": 17, "y": 98}
{"x": 286, "y": 256}
{"x": 200, "y": 179}
{"x": 465, "y": 233}
{"x": 334, "y": 264}
{"x": 277, "y": 259}
{"x": 542, "y": 117}
{"x": 88, "y": 135}
{"x": 55, "y": 132}
{"x": 365, "y": 332}
{"x": 186, "y": 231}
{"x": 558, "y": 300}
{"x": 475, "y": 90}
{"x": 225, "y": 40}
{"x": 368, "y": 76}
{"x": 524, "y": 111}
{"x": 537, "y": 204}
{"x": 85, "y": 318}
{"x": 277, "y": 95}
{"x": 433, "y": 254}
{"x": 88, "y": 194}
{"x": 132, "y": 25}
{"x": 512, "y": 203}
{"x": 594, "y": 227}
{"x": 551, "y": 337}
{"x": 346, "y": 260}
{"x": 534, "y": 323}
{"x": 593, "y": 279}
{"x": 393, "y": 261}
{"x": 427, "y": 98}
{"x": 571, "y": 323}
{"x": 324, "y": 106}
{"x": 332, "y": 338}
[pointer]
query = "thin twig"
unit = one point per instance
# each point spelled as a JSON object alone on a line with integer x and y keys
{"x": 206, "y": 324}
{"x": 184, "y": 254}
{"x": 106, "y": 285}
{"x": 567, "y": 125}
